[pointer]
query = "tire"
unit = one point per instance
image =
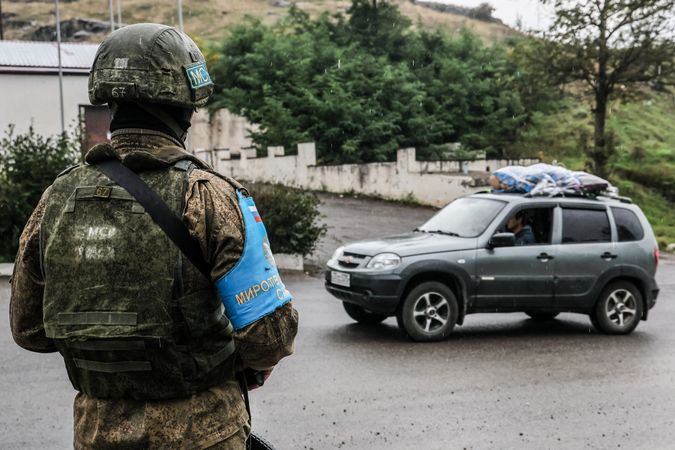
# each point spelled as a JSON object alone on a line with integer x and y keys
{"x": 429, "y": 312}
{"x": 619, "y": 308}
{"x": 359, "y": 314}
{"x": 542, "y": 316}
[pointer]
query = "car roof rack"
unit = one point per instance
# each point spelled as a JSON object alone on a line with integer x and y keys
{"x": 586, "y": 195}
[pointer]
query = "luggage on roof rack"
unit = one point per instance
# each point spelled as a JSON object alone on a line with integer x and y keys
{"x": 547, "y": 180}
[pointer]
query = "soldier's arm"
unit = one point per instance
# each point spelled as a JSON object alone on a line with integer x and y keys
{"x": 213, "y": 217}
{"x": 25, "y": 303}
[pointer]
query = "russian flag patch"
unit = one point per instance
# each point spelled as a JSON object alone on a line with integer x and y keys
{"x": 256, "y": 214}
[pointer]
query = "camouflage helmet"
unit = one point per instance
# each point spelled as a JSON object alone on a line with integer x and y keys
{"x": 149, "y": 63}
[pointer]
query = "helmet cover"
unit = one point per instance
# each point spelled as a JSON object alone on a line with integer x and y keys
{"x": 149, "y": 62}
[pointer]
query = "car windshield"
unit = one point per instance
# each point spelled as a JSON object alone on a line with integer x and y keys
{"x": 465, "y": 217}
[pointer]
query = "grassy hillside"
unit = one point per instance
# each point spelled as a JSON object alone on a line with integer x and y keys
{"x": 208, "y": 19}
{"x": 644, "y": 168}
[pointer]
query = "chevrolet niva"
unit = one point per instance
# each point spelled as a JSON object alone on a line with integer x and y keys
{"x": 490, "y": 252}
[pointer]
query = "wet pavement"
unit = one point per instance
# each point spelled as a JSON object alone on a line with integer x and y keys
{"x": 355, "y": 218}
{"x": 499, "y": 381}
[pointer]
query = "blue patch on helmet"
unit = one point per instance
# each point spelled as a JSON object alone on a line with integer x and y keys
{"x": 253, "y": 288}
{"x": 198, "y": 75}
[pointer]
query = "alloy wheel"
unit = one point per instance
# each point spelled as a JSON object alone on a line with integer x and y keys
{"x": 621, "y": 307}
{"x": 431, "y": 311}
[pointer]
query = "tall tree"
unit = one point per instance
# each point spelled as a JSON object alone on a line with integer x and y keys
{"x": 364, "y": 85}
{"x": 379, "y": 26}
{"x": 609, "y": 44}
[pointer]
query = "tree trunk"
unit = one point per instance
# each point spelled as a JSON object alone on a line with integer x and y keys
{"x": 601, "y": 152}
{"x": 602, "y": 148}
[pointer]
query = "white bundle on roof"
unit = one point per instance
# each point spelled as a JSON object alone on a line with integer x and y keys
{"x": 547, "y": 180}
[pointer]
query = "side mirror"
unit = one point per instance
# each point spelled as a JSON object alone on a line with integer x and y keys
{"x": 502, "y": 240}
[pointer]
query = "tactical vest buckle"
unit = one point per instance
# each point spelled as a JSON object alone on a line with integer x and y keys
{"x": 103, "y": 192}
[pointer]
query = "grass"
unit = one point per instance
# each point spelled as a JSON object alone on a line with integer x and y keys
{"x": 210, "y": 19}
{"x": 644, "y": 167}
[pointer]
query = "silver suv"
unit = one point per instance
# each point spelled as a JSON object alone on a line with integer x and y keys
{"x": 505, "y": 253}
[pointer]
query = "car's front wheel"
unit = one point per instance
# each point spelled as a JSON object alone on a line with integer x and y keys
{"x": 359, "y": 314}
{"x": 619, "y": 308}
{"x": 429, "y": 312}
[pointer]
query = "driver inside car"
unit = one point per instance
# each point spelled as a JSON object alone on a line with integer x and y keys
{"x": 518, "y": 225}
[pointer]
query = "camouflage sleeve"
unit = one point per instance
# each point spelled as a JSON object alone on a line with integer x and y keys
{"x": 213, "y": 218}
{"x": 25, "y": 304}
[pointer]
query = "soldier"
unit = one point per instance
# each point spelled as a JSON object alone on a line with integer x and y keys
{"x": 149, "y": 342}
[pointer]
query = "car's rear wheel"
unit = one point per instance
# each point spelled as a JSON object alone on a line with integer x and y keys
{"x": 361, "y": 315}
{"x": 542, "y": 315}
{"x": 619, "y": 308}
{"x": 429, "y": 312}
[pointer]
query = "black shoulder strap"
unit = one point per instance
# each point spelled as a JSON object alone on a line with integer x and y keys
{"x": 159, "y": 211}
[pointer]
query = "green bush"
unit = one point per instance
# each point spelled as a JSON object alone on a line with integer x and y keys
{"x": 28, "y": 165}
{"x": 291, "y": 218}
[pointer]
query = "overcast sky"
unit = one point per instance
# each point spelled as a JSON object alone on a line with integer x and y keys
{"x": 534, "y": 15}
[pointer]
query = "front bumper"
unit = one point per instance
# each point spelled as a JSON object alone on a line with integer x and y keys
{"x": 374, "y": 292}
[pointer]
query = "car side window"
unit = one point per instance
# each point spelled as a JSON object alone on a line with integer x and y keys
{"x": 532, "y": 226}
{"x": 585, "y": 225}
{"x": 627, "y": 225}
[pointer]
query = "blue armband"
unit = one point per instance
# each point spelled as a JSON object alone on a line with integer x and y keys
{"x": 253, "y": 288}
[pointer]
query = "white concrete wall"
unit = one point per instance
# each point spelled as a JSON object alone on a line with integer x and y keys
{"x": 223, "y": 130}
{"x": 27, "y": 99}
{"x": 432, "y": 183}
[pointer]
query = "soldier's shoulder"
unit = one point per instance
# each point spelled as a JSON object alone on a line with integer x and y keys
{"x": 68, "y": 170}
{"x": 216, "y": 180}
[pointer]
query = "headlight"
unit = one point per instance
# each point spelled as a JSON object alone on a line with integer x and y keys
{"x": 337, "y": 253}
{"x": 384, "y": 261}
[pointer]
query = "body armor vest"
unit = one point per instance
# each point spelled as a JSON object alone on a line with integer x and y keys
{"x": 131, "y": 317}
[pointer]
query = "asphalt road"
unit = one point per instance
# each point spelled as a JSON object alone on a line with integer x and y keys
{"x": 500, "y": 381}
{"x": 354, "y": 218}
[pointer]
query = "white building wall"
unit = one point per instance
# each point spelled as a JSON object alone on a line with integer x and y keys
{"x": 27, "y": 99}
{"x": 223, "y": 130}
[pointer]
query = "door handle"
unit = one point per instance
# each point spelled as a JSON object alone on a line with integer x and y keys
{"x": 607, "y": 256}
{"x": 544, "y": 257}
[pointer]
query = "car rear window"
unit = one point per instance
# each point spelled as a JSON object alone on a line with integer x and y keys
{"x": 627, "y": 225}
{"x": 585, "y": 225}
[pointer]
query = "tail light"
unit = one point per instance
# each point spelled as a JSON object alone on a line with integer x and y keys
{"x": 657, "y": 256}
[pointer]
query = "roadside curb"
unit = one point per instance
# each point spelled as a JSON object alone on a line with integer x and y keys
{"x": 6, "y": 270}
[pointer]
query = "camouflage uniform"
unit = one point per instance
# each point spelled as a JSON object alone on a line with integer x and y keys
{"x": 215, "y": 418}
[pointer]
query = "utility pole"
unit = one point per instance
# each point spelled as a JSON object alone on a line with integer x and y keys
{"x": 2, "y": 34}
{"x": 112, "y": 16}
{"x": 58, "y": 49}
{"x": 179, "y": 6}
{"x": 119, "y": 13}
{"x": 180, "y": 14}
